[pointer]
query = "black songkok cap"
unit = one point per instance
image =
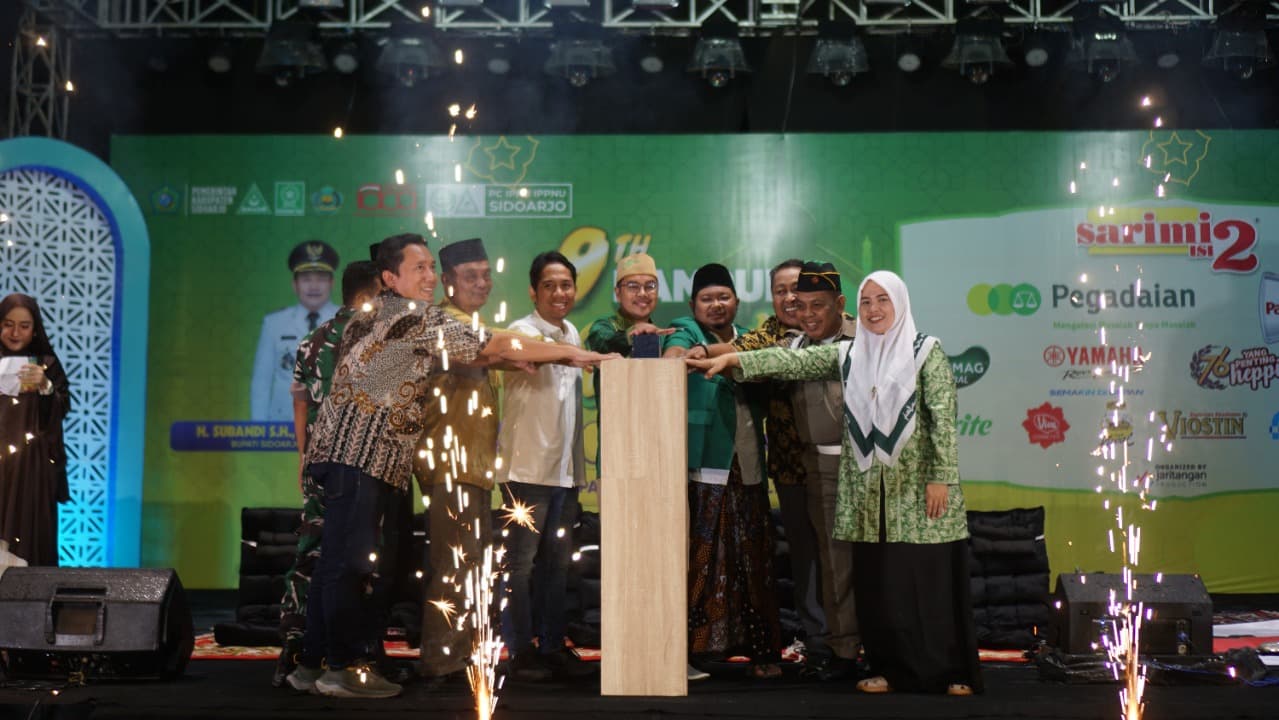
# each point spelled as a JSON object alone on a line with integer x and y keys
{"x": 818, "y": 277}
{"x": 712, "y": 274}
{"x": 313, "y": 256}
{"x": 461, "y": 252}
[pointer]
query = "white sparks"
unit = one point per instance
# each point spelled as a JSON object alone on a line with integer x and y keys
{"x": 337, "y": 132}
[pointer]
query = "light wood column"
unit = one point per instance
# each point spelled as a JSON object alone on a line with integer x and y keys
{"x": 644, "y": 527}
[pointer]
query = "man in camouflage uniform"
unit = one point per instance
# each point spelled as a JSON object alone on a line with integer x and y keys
{"x": 312, "y": 372}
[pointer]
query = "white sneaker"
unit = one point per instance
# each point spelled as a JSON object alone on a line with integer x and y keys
{"x": 695, "y": 674}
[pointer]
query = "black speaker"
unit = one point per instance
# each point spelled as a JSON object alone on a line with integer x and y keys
{"x": 1178, "y": 621}
{"x": 94, "y": 623}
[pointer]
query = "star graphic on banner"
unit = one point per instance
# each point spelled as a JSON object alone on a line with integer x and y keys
{"x": 502, "y": 154}
{"x": 1175, "y": 149}
{"x": 1183, "y": 154}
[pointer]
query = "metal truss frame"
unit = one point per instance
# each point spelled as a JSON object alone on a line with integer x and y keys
{"x": 133, "y": 18}
{"x": 38, "y": 96}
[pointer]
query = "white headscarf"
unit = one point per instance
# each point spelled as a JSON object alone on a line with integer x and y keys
{"x": 880, "y": 374}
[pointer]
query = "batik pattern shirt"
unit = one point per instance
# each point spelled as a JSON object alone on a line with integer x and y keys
{"x": 785, "y": 449}
{"x": 377, "y": 404}
{"x": 931, "y": 455}
{"x": 474, "y": 428}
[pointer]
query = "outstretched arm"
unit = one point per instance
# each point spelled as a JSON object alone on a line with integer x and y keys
{"x": 711, "y": 367}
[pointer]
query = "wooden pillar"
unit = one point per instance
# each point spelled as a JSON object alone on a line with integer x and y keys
{"x": 644, "y": 527}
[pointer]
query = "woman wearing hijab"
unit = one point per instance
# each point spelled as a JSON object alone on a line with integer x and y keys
{"x": 34, "y": 399}
{"x": 899, "y": 500}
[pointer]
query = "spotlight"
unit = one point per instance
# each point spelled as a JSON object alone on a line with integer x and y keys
{"x": 220, "y": 60}
{"x": 1037, "y": 52}
{"x": 1239, "y": 46}
{"x": 580, "y": 61}
{"x": 718, "y": 60}
{"x": 908, "y": 57}
{"x": 346, "y": 59}
{"x": 1101, "y": 48}
{"x": 838, "y": 54}
{"x": 408, "y": 56}
{"x": 977, "y": 50}
{"x": 650, "y": 60}
{"x": 291, "y": 52}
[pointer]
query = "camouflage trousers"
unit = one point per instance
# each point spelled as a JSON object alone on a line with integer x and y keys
{"x": 297, "y": 581}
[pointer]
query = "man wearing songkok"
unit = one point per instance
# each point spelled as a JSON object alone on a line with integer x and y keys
{"x": 819, "y": 422}
{"x": 460, "y": 493}
{"x": 732, "y": 607}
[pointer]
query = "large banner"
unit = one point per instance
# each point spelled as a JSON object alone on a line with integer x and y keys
{"x": 1037, "y": 259}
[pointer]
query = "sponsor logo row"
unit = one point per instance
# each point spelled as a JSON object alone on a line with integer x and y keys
{"x": 289, "y": 198}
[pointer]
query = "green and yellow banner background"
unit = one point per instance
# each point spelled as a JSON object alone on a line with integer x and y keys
{"x": 974, "y": 222}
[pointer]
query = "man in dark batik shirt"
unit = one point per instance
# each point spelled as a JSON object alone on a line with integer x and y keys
{"x": 312, "y": 373}
{"x": 785, "y": 458}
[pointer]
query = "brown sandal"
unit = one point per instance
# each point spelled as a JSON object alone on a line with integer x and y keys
{"x": 877, "y": 684}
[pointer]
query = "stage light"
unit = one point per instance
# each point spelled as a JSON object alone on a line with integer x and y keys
{"x": 718, "y": 60}
{"x": 838, "y": 54}
{"x": 1239, "y": 46}
{"x": 1037, "y": 51}
{"x": 346, "y": 58}
{"x": 580, "y": 61}
{"x": 220, "y": 60}
{"x": 977, "y": 50}
{"x": 1167, "y": 59}
{"x": 290, "y": 52}
{"x": 408, "y": 60}
{"x": 909, "y": 58}
{"x": 499, "y": 63}
{"x": 1102, "y": 48}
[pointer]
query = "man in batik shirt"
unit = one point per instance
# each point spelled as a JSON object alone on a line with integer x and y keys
{"x": 785, "y": 460}
{"x": 312, "y": 373}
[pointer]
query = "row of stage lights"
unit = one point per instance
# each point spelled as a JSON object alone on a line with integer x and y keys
{"x": 1100, "y": 46}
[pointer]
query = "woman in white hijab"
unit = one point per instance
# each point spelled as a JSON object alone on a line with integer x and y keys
{"x": 899, "y": 500}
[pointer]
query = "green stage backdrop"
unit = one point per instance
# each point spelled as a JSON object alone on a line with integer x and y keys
{"x": 1036, "y": 258}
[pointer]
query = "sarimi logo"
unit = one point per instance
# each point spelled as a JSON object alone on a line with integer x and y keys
{"x": 1228, "y": 243}
{"x": 1004, "y": 299}
{"x": 970, "y": 365}
{"x": 1212, "y": 367}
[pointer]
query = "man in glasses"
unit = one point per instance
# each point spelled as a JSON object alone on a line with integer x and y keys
{"x": 636, "y": 293}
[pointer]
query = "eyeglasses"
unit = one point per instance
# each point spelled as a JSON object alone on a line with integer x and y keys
{"x": 635, "y": 288}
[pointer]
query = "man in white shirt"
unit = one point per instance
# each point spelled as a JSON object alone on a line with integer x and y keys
{"x": 540, "y": 442}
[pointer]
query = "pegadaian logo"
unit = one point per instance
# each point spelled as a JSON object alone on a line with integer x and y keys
{"x": 1004, "y": 299}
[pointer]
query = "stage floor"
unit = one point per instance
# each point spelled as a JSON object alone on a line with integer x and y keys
{"x": 241, "y": 689}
